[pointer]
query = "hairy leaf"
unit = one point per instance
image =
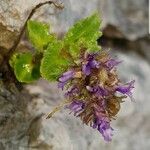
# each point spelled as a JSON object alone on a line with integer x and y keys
{"x": 24, "y": 68}
{"x": 84, "y": 34}
{"x": 54, "y": 61}
{"x": 39, "y": 34}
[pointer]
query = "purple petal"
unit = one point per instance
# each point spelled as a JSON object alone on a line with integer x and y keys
{"x": 61, "y": 85}
{"x": 94, "y": 64}
{"x": 107, "y": 134}
{"x": 76, "y": 106}
{"x": 112, "y": 63}
{"x": 91, "y": 64}
{"x": 86, "y": 69}
{"x": 99, "y": 91}
{"x": 66, "y": 76}
{"x": 126, "y": 89}
{"x": 103, "y": 126}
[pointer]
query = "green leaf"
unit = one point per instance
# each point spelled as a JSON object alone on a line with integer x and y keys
{"x": 24, "y": 69}
{"x": 54, "y": 62}
{"x": 84, "y": 34}
{"x": 12, "y": 60}
{"x": 39, "y": 34}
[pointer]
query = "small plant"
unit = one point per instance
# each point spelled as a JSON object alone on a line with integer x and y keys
{"x": 93, "y": 90}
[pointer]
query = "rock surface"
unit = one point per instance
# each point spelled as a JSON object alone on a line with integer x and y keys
{"x": 65, "y": 132}
{"x": 123, "y": 19}
{"x": 14, "y": 117}
{"x": 28, "y": 129}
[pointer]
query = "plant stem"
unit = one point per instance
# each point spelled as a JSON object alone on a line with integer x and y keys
{"x": 57, "y": 108}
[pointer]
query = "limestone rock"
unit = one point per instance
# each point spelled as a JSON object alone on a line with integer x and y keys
{"x": 14, "y": 117}
{"x": 125, "y": 19}
{"x": 12, "y": 17}
{"x": 27, "y": 128}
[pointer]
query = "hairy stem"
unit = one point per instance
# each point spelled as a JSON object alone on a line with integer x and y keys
{"x": 57, "y": 108}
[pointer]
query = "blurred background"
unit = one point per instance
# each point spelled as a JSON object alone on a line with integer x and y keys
{"x": 125, "y": 32}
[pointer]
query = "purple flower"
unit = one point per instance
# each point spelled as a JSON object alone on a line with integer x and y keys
{"x": 64, "y": 78}
{"x": 103, "y": 126}
{"x": 126, "y": 89}
{"x": 106, "y": 130}
{"x": 61, "y": 85}
{"x": 91, "y": 64}
{"x": 86, "y": 69}
{"x": 91, "y": 91}
{"x": 99, "y": 91}
{"x": 76, "y": 106}
{"x": 72, "y": 91}
{"x": 112, "y": 63}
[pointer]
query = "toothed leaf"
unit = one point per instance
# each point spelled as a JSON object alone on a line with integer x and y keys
{"x": 54, "y": 61}
{"x": 39, "y": 34}
{"x": 84, "y": 34}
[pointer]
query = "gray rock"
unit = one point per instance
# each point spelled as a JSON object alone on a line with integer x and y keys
{"x": 25, "y": 127}
{"x": 129, "y": 18}
{"x": 14, "y": 117}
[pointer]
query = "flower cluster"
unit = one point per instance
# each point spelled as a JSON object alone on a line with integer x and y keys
{"x": 94, "y": 91}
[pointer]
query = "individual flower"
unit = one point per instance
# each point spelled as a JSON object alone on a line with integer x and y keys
{"x": 126, "y": 89}
{"x": 99, "y": 91}
{"x": 103, "y": 126}
{"x": 76, "y": 106}
{"x": 90, "y": 64}
{"x": 91, "y": 88}
{"x": 111, "y": 63}
{"x": 64, "y": 78}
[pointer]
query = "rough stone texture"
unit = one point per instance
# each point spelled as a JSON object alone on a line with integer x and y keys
{"x": 130, "y": 17}
{"x": 121, "y": 18}
{"x": 22, "y": 121}
{"x": 12, "y": 17}
{"x": 14, "y": 117}
{"x": 144, "y": 46}
{"x": 65, "y": 132}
